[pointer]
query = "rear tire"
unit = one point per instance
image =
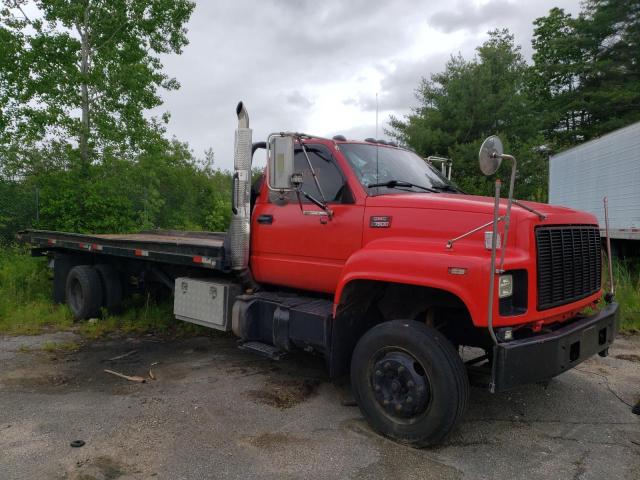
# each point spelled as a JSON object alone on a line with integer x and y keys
{"x": 111, "y": 286}
{"x": 84, "y": 292}
{"x": 409, "y": 382}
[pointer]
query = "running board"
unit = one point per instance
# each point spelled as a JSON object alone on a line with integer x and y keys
{"x": 262, "y": 349}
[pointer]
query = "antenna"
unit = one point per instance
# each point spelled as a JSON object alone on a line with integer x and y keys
{"x": 377, "y": 144}
{"x": 376, "y": 137}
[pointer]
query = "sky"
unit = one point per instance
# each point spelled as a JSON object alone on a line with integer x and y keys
{"x": 316, "y": 66}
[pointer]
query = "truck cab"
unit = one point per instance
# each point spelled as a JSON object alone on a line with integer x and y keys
{"x": 398, "y": 234}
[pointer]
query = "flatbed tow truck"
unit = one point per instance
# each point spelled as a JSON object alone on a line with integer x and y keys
{"x": 365, "y": 254}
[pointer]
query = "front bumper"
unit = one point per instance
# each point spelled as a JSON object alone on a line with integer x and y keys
{"x": 546, "y": 355}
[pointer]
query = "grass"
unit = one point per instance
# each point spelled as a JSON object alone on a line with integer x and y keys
{"x": 26, "y": 307}
{"x": 60, "y": 347}
{"x": 141, "y": 314}
{"x": 25, "y": 295}
{"x": 627, "y": 285}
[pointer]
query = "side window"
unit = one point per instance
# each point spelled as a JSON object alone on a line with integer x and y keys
{"x": 329, "y": 176}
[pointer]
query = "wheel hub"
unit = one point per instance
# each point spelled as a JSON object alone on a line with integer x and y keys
{"x": 400, "y": 385}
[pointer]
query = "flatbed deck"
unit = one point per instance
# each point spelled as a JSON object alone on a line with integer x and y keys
{"x": 197, "y": 249}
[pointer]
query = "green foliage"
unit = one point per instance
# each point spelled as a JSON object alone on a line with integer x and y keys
{"x": 25, "y": 295}
{"x": 584, "y": 82}
{"x": 60, "y": 347}
{"x": 76, "y": 80}
{"x": 586, "y": 76}
{"x": 86, "y": 70}
{"x": 78, "y": 151}
{"x": 26, "y": 308}
{"x": 627, "y": 284}
{"x": 165, "y": 189}
{"x": 470, "y": 100}
{"x": 142, "y": 314}
{"x": 17, "y": 208}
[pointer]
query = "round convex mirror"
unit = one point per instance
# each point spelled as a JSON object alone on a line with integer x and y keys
{"x": 490, "y": 155}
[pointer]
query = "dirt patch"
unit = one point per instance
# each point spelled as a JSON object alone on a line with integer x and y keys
{"x": 100, "y": 468}
{"x": 274, "y": 440}
{"x": 65, "y": 371}
{"x": 285, "y": 393}
{"x": 630, "y": 357}
{"x": 30, "y": 383}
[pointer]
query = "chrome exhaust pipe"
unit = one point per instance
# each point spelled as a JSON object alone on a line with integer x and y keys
{"x": 239, "y": 232}
{"x": 243, "y": 115}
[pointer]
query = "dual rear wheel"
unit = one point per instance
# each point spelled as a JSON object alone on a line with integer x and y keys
{"x": 89, "y": 288}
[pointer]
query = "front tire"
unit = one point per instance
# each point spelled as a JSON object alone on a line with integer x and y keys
{"x": 409, "y": 382}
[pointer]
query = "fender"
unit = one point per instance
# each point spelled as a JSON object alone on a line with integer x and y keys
{"x": 424, "y": 263}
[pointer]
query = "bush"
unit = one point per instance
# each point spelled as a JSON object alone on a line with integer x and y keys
{"x": 627, "y": 285}
{"x": 26, "y": 307}
{"x": 25, "y": 295}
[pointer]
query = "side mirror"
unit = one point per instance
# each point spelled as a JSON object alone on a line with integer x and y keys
{"x": 280, "y": 162}
{"x": 490, "y": 155}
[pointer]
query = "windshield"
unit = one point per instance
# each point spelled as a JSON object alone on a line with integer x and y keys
{"x": 377, "y": 164}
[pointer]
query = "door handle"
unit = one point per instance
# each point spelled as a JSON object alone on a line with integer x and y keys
{"x": 265, "y": 219}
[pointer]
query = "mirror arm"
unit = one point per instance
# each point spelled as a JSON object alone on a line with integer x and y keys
{"x": 315, "y": 178}
{"x": 313, "y": 200}
{"x": 325, "y": 210}
{"x": 494, "y": 246}
{"x": 316, "y": 202}
{"x": 507, "y": 216}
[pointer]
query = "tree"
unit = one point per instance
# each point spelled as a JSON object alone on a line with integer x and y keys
{"x": 84, "y": 72}
{"x": 586, "y": 74}
{"x": 470, "y": 100}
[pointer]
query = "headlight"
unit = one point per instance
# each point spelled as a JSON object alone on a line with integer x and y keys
{"x": 505, "y": 286}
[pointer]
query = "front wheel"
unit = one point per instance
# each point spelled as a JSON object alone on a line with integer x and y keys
{"x": 409, "y": 382}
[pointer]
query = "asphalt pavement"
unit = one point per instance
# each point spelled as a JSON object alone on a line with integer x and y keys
{"x": 208, "y": 410}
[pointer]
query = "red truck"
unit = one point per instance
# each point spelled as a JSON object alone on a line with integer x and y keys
{"x": 363, "y": 253}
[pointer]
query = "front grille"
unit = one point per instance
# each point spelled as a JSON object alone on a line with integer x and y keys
{"x": 568, "y": 263}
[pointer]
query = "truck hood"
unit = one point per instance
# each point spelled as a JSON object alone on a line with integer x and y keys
{"x": 478, "y": 204}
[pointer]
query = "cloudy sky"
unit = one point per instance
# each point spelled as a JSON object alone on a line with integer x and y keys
{"x": 316, "y": 66}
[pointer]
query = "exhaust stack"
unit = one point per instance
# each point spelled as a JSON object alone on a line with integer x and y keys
{"x": 241, "y": 191}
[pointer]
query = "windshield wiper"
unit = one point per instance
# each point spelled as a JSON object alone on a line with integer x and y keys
{"x": 400, "y": 183}
{"x": 446, "y": 188}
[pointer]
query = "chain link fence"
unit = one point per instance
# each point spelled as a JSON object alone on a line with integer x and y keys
{"x": 19, "y": 209}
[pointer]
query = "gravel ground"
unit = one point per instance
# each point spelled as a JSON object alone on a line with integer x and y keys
{"x": 216, "y": 412}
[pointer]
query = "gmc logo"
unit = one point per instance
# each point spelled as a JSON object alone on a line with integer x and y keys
{"x": 380, "y": 222}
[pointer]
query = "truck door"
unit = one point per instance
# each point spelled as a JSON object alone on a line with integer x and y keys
{"x": 306, "y": 251}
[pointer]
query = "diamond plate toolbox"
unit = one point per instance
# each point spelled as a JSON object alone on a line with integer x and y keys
{"x": 204, "y": 302}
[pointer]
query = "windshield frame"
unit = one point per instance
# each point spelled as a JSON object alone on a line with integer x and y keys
{"x": 424, "y": 174}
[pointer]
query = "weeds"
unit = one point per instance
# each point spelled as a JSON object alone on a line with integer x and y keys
{"x": 25, "y": 295}
{"x": 141, "y": 314}
{"x": 26, "y": 307}
{"x": 627, "y": 285}
{"x": 60, "y": 347}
